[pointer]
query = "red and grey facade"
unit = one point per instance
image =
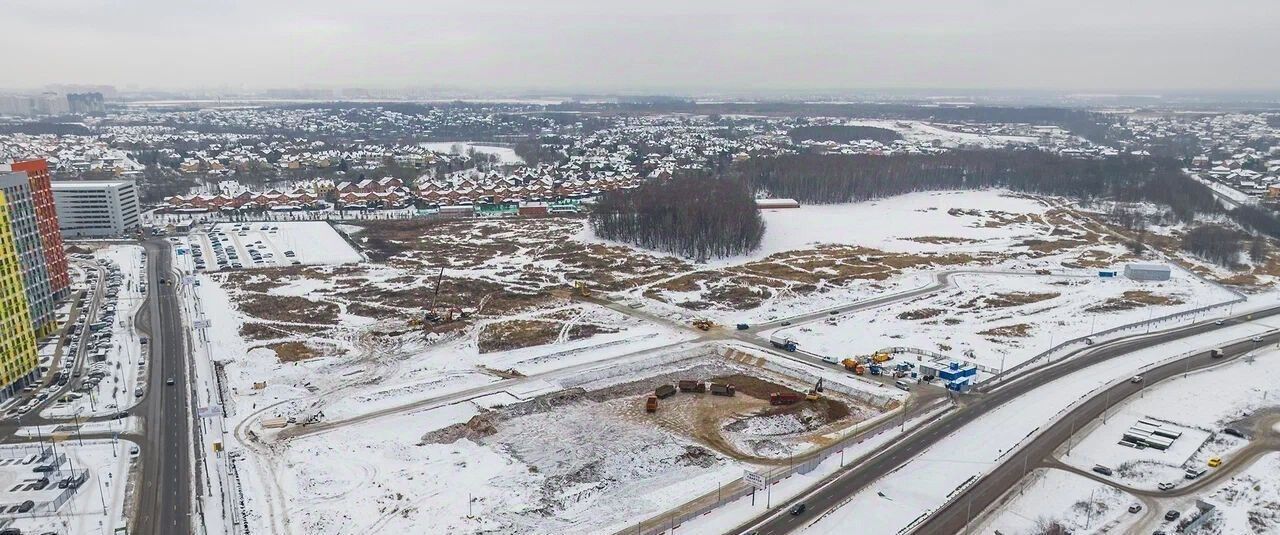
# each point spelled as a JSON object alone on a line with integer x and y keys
{"x": 47, "y": 224}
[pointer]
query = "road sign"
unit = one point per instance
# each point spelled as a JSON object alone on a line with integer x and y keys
{"x": 200, "y": 324}
{"x": 755, "y": 479}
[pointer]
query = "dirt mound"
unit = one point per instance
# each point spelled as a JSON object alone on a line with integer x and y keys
{"x": 1134, "y": 299}
{"x": 479, "y": 426}
{"x": 919, "y": 314}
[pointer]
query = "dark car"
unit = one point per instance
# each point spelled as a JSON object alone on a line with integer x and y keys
{"x": 169, "y": 381}
{"x": 43, "y": 468}
{"x": 1234, "y": 432}
{"x": 798, "y": 509}
{"x": 1172, "y": 515}
{"x": 10, "y": 531}
{"x": 26, "y": 506}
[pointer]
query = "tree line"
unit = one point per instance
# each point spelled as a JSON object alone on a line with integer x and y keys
{"x": 696, "y": 218}
{"x": 837, "y": 178}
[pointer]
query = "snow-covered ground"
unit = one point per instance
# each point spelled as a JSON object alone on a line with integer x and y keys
{"x": 1248, "y": 502}
{"x": 96, "y": 506}
{"x": 121, "y": 356}
{"x": 1239, "y": 388}
{"x": 1047, "y": 496}
{"x": 505, "y": 155}
{"x": 996, "y": 320}
{"x": 970, "y": 220}
{"x": 916, "y": 131}
{"x": 922, "y": 484}
{"x": 311, "y": 242}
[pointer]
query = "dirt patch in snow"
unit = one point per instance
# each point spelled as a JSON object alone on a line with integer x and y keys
{"x": 1134, "y": 299}
{"x": 293, "y": 351}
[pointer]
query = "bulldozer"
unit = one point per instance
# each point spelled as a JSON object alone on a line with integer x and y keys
{"x": 703, "y": 324}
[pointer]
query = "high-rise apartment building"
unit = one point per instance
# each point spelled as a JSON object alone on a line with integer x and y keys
{"x": 18, "y": 361}
{"x": 26, "y": 238}
{"x": 47, "y": 224}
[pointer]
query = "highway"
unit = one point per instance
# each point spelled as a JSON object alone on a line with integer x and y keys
{"x": 954, "y": 517}
{"x": 164, "y": 489}
{"x": 861, "y": 476}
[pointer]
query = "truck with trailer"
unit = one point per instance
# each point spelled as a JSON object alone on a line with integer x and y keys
{"x": 693, "y": 386}
{"x": 718, "y": 389}
{"x": 783, "y": 342}
{"x": 664, "y": 391}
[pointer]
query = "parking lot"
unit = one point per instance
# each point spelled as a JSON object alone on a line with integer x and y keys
{"x": 62, "y": 487}
{"x": 265, "y": 244}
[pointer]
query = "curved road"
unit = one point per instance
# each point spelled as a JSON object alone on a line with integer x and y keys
{"x": 862, "y": 476}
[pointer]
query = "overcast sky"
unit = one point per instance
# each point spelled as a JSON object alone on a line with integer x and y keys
{"x": 675, "y": 45}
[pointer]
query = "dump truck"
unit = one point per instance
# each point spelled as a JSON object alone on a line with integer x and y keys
{"x": 875, "y": 370}
{"x": 881, "y": 357}
{"x": 664, "y": 391}
{"x": 854, "y": 366}
{"x": 693, "y": 386}
{"x": 718, "y": 389}
{"x": 783, "y": 342}
{"x": 784, "y": 398}
{"x": 651, "y": 404}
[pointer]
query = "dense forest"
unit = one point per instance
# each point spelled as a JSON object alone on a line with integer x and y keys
{"x": 843, "y": 134}
{"x": 844, "y": 178}
{"x": 1215, "y": 243}
{"x": 695, "y": 218}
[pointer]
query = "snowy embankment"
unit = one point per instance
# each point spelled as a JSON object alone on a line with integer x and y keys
{"x": 506, "y": 155}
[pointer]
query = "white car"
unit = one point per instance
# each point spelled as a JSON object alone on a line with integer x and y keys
{"x": 1136, "y": 379}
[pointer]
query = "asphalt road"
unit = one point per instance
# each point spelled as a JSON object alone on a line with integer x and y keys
{"x": 864, "y": 475}
{"x": 954, "y": 517}
{"x": 164, "y": 489}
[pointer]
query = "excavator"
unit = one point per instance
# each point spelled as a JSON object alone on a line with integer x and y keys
{"x": 816, "y": 392}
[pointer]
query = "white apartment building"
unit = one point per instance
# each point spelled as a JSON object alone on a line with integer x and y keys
{"x": 96, "y": 208}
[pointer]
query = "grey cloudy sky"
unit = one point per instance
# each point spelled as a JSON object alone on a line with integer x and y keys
{"x": 603, "y": 45}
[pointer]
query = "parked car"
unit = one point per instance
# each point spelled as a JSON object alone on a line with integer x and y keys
{"x": 1173, "y": 514}
{"x": 26, "y": 506}
{"x": 1215, "y": 462}
{"x": 1102, "y": 470}
{"x": 1137, "y": 507}
{"x": 1234, "y": 432}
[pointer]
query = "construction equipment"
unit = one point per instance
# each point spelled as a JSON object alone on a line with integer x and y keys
{"x": 718, "y": 389}
{"x": 697, "y": 387}
{"x": 703, "y": 324}
{"x": 816, "y": 392}
{"x": 783, "y": 398}
{"x": 881, "y": 356}
{"x": 437, "y": 315}
{"x": 783, "y": 342}
{"x": 651, "y": 404}
{"x": 854, "y": 366}
{"x": 664, "y": 391}
{"x": 581, "y": 289}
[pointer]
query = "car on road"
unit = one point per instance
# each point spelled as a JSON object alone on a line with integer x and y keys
{"x": 1136, "y": 379}
{"x": 133, "y": 450}
{"x": 1215, "y": 462}
{"x": 1165, "y": 486}
{"x": 169, "y": 381}
{"x": 137, "y": 392}
{"x": 1256, "y": 339}
{"x": 1173, "y": 514}
{"x": 798, "y": 509}
{"x": 1137, "y": 507}
{"x": 1219, "y": 322}
{"x": 786, "y": 323}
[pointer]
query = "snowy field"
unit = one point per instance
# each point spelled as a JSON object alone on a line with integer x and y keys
{"x": 922, "y": 484}
{"x": 120, "y": 356}
{"x": 505, "y": 155}
{"x": 275, "y": 244}
{"x": 95, "y": 506}
{"x": 917, "y": 131}
{"x": 995, "y": 319}
{"x": 1240, "y": 388}
{"x": 926, "y": 222}
{"x": 1048, "y": 496}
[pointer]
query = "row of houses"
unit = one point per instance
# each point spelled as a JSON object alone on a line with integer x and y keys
{"x": 390, "y": 193}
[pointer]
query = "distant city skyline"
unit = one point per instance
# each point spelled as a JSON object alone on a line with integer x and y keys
{"x": 661, "y": 46}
